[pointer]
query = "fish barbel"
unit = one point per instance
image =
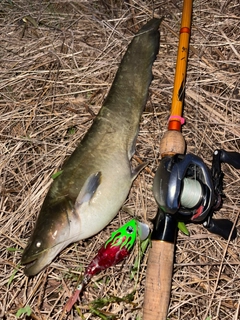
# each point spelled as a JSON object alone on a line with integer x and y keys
{"x": 97, "y": 177}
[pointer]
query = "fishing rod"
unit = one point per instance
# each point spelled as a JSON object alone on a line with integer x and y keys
{"x": 185, "y": 189}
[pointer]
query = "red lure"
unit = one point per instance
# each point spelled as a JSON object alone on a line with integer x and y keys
{"x": 116, "y": 249}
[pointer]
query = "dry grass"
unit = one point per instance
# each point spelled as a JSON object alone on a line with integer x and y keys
{"x": 56, "y": 69}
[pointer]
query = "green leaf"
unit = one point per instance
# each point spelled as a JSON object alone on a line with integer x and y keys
{"x": 55, "y": 175}
{"x": 13, "y": 275}
{"x": 31, "y": 20}
{"x": 12, "y": 249}
{"x": 136, "y": 265}
{"x": 26, "y": 310}
{"x": 71, "y": 130}
{"x": 182, "y": 227}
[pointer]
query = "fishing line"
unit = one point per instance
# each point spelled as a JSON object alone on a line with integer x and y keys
{"x": 195, "y": 110}
{"x": 191, "y": 194}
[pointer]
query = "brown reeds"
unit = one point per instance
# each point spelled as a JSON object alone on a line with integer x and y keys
{"x": 57, "y": 62}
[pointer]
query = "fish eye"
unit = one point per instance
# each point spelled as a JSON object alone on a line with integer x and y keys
{"x": 129, "y": 229}
{"x": 38, "y": 244}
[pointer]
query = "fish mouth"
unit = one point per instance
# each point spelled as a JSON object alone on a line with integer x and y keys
{"x": 29, "y": 264}
{"x": 33, "y": 264}
{"x": 32, "y": 267}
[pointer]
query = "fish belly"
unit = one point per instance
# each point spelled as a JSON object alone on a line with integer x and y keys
{"x": 94, "y": 215}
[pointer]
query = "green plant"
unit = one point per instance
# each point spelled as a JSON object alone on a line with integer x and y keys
{"x": 24, "y": 311}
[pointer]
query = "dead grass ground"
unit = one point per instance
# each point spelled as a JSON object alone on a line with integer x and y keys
{"x": 58, "y": 60}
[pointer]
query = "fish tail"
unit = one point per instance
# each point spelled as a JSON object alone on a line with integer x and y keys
{"x": 129, "y": 90}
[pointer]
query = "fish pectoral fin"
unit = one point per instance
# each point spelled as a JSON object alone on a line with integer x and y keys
{"x": 137, "y": 170}
{"x": 89, "y": 188}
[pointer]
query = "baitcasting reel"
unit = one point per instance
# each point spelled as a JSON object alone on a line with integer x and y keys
{"x": 187, "y": 190}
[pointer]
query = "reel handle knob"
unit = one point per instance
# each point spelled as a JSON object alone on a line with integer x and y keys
{"x": 222, "y": 227}
{"x": 232, "y": 158}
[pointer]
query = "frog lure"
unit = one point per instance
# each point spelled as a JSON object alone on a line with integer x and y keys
{"x": 115, "y": 249}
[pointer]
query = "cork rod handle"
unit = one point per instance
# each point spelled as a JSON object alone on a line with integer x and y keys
{"x": 159, "y": 279}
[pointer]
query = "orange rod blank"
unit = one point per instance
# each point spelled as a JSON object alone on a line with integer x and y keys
{"x": 176, "y": 120}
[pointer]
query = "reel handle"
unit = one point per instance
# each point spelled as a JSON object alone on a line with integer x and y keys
{"x": 222, "y": 227}
{"x": 232, "y": 158}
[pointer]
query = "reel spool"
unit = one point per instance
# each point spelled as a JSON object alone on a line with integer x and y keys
{"x": 191, "y": 194}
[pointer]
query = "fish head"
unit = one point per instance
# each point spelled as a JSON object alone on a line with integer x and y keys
{"x": 49, "y": 237}
{"x": 57, "y": 226}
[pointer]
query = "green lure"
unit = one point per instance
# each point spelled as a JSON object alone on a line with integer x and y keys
{"x": 127, "y": 234}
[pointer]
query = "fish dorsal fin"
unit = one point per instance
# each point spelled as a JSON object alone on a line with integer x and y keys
{"x": 89, "y": 188}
